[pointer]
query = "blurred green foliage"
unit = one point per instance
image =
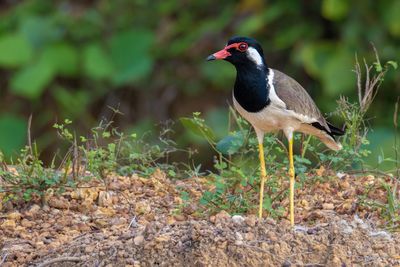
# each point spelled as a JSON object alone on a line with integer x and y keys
{"x": 73, "y": 59}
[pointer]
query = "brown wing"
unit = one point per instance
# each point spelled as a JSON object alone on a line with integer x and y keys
{"x": 297, "y": 99}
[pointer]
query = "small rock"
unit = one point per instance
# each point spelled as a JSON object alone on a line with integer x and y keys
{"x": 46, "y": 208}
{"x": 212, "y": 219}
{"x": 238, "y": 236}
{"x": 33, "y": 211}
{"x": 162, "y": 238}
{"x": 378, "y": 246}
{"x": 328, "y": 206}
{"x": 138, "y": 240}
{"x": 118, "y": 221}
{"x": 142, "y": 208}
{"x": 222, "y": 215}
{"x": 286, "y": 264}
{"x": 8, "y": 224}
{"x": 58, "y": 203}
{"x": 238, "y": 242}
{"x": 101, "y": 222}
{"x": 82, "y": 227}
{"x": 39, "y": 244}
{"x": 272, "y": 236}
{"x": 251, "y": 220}
{"x": 223, "y": 245}
{"x": 360, "y": 222}
{"x": 45, "y": 225}
{"x": 179, "y": 217}
{"x": 114, "y": 185}
{"x": 189, "y": 209}
{"x": 249, "y": 236}
{"x": 381, "y": 234}
{"x": 345, "y": 227}
{"x": 270, "y": 221}
{"x": 344, "y": 184}
{"x": 313, "y": 230}
{"x": 300, "y": 229}
{"x": 336, "y": 261}
{"x": 26, "y": 223}
{"x": 264, "y": 245}
{"x": 16, "y": 216}
{"x": 237, "y": 219}
{"x": 126, "y": 235}
{"x": 170, "y": 220}
{"x": 105, "y": 199}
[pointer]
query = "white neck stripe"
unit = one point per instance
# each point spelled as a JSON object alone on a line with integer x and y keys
{"x": 254, "y": 56}
{"x": 272, "y": 94}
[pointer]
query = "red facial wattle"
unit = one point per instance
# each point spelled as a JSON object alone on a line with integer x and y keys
{"x": 224, "y": 53}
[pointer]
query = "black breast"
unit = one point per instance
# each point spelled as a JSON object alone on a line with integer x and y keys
{"x": 251, "y": 89}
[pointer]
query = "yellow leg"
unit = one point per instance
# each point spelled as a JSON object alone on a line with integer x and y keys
{"x": 291, "y": 177}
{"x": 263, "y": 176}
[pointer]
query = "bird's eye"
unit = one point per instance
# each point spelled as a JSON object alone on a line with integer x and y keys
{"x": 242, "y": 47}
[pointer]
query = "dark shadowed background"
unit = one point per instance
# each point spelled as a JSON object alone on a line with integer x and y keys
{"x": 75, "y": 59}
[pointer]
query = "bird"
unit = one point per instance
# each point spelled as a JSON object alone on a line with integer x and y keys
{"x": 272, "y": 101}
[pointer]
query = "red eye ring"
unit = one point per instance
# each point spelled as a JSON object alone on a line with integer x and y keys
{"x": 242, "y": 47}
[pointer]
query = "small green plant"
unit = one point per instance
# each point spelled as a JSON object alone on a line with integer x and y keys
{"x": 107, "y": 150}
{"x": 29, "y": 180}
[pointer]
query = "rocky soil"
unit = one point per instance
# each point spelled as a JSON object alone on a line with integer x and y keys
{"x": 142, "y": 222}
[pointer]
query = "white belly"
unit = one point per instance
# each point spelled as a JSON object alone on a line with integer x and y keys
{"x": 271, "y": 119}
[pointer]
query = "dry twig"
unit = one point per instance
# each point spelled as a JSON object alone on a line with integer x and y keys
{"x": 3, "y": 259}
{"x": 47, "y": 263}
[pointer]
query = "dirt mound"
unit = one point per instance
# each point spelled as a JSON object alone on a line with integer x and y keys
{"x": 141, "y": 222}
{"x": 233, "y": 241}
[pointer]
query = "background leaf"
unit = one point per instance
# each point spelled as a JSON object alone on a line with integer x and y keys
{"x": 337, "y": 75}
{"x": 15, "y": 50}
{"x": 335, "y": 9}
{"x": 40, "y": 30}
{"x": 12, "y": 133}
{"x": 96, "y": 63}
{"x": 31, "y": 81}
{"x": 130, "y": 53}
{"x": 62, "y": 58}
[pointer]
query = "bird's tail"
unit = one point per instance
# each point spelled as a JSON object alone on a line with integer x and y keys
{"x": 335, "y": 130}
{"x": 323, "y": 135}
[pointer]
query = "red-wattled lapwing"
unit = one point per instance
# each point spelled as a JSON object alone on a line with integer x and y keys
{"x": 272, "y": 101}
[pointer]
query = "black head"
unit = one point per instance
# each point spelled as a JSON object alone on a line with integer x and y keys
{"x": 241, "y": 51}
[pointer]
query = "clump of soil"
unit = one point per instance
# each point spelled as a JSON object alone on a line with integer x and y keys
{"x": 142, "y": 222}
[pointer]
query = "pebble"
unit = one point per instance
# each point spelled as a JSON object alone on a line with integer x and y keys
{"x": 238, "y": 236}
{"x": 179, "y": 217}
{"x": 222, "y": 215}
{"x": 8, "y": 224}
{"x": 272, "y": 236}
{"x": 27, "y": 223}
{"x": 16, "y": 216}
{"x": 139, "y": 240}
{"x": 328, "y": 206}
{"x": 238, "y": 242}
{"x": 237, "y": 219}
{"x": 251, "y": 220}
{"x": 33, "y": 211}
{"x": 249, "y": 236}
{"x": 345, "y": 227}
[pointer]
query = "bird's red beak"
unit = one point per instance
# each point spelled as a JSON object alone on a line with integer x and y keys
{"x": 219, "y": 55}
